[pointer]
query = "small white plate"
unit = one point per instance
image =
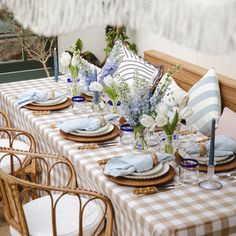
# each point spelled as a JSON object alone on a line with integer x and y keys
{"x": 164, "y": 170}
{"x": 153, "y": 171}
{"x": 100, "y": 131}
{"x": 203, "y": 159}
{"x": 56, "y": 101}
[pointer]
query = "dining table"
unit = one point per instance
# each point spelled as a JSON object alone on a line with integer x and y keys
{"x": 184, "y": 210}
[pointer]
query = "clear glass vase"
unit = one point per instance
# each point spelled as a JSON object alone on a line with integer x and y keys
{"x": 98, "y": 104}
{"x": 74, "y": 85}
{"x": 169, "y": 144}
{"x": 140, "y": 140}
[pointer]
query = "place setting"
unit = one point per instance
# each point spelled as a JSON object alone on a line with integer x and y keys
{"x": 224, "y": 159}
{"x": 44, "y": 101}
{"x": 147, "y": 172}
{"x": 92, "y": 129}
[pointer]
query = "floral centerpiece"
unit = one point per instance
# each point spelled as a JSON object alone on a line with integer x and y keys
{"x": 108, "y": 77}
{"x": 138, "y": 104}
{"x": 168, "y": 118}
{"x": 71, "y": 59}
{"x": 97, "y": 89}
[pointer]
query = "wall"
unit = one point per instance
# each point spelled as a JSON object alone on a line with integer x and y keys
{"x": 93, "y": 40}
{"x": 224, "y": 64}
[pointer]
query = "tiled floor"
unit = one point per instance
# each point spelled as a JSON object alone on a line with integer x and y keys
{"x": 4, "y": 228}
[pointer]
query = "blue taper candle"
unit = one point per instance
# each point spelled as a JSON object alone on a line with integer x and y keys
{"x": 212, "y": 143}
{"x": 55, "y": 65}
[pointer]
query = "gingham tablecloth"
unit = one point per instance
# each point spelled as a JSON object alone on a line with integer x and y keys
{"x": 187, "y": 210}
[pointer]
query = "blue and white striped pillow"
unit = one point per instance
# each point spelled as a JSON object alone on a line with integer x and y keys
{"x": 205, "y": 101}
{"x": 130, "y": 63}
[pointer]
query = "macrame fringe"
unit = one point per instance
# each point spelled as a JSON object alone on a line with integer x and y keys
{"x": 205, "y": 25}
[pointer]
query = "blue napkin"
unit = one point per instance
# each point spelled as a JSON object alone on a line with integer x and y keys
{"x": 224, "y": 145}
{"x": 36, "y": 95}
{"x": 89, "y": 124}
{"x": 126, "y": 165}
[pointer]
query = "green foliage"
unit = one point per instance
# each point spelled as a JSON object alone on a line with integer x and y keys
{"x": 79, "y": 45}
{"x": 114, "y": 33}
{"x": 87, "y": 55}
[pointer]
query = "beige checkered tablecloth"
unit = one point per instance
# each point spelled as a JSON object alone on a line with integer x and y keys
{"x": 187, "y": 210}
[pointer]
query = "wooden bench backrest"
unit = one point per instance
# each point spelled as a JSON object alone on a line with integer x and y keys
{"x": 190, "y": 74}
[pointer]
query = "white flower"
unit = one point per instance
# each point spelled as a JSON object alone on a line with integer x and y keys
{"x": 161, "y": 120}
{"x": 75, "y": 61}
{"x": 95, "y": 87}
{"x": 147, "y": 121}
{"x": 65, "y": 59}
{"x": 162, "y": 109}
{"x": 108, "y": 81}
{"x": 185, "y": 113}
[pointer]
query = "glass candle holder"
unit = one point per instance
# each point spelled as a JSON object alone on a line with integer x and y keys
{"x": 189, "y": 171}
{"x": 126, "y": 136}
{"x": 79, "y": 104}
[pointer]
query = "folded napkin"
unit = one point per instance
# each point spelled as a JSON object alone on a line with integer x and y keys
{"x": 36, "y": 95}
{"x": 126, "y": 165}
{"x": 224, "y": 145}
{"x": 89, "y": 124}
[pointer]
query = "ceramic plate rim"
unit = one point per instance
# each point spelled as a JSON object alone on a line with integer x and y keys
{"x": 152, "y": 171}
{"x": 50, "y": 102}
{"x": 106, "y": 129}
{"x": 182, "y": 153}
{"x": 164, "y": 170}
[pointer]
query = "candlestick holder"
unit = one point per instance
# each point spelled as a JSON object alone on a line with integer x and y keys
{"x": 210, "y": 183}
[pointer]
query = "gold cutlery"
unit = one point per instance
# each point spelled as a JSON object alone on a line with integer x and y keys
{"x": 230, "y": 176}
{"x": 97, "y": 145}
{"x": 40, "y": 113}
{"x": 152, "y": 190}
{"x": 103, "y": 161}
{"x": 186, "y": 132}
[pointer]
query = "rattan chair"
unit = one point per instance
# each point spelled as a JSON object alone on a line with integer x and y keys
{"x": 52, "y": 206}
{"x": 17, "y": 139}
{"x": 4, "y": 119}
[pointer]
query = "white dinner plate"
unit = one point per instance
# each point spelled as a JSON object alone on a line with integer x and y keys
{"x": 52, "y": 102}
{"x": 98, "y": 132}
{"x": 153, "y": 171}
{"x": 165, "y": 168}
{"x": 204, "y": 159}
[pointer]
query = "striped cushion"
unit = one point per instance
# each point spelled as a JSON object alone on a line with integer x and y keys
{"x": 132, "y": 63}
{"x": 174, "y": 94}
{"x": 204, "y": 99}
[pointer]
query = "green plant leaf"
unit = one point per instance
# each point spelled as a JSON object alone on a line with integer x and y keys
{"x": 79, "y": 44}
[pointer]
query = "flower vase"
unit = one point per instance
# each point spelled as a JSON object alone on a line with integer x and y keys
{"x": 168, "y": 145}
{"x": 140, "y": 141}
{"x": 74, "y": 85}
{"x": 97, "y": 101}
{"x": 113, "y": 106}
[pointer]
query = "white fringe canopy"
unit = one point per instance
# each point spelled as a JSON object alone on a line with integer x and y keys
{"x": 205, "y": 25}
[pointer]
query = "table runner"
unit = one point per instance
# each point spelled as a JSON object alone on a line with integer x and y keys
{"x": 187, "y": 210}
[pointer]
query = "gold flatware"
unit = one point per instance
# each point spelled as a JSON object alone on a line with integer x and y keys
{"x": 202, "y": 140}
{"x": 103, "y": 161}
{"x": 231, "y": 176}
{"x": 96, "y": 145}
{"x": 154, "y": 189}
{"x": 40, "y": 113}
{"x": 186, "y": 132}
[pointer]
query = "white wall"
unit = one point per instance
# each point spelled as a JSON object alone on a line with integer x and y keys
{"x": 224, "y": 64}
{"x": 94, "y": 40}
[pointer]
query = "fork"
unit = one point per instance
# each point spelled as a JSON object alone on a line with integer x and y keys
{"x": 154, "y": 189}
{"x": 97, "y": 145}
{"x": 231, "y": 176}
